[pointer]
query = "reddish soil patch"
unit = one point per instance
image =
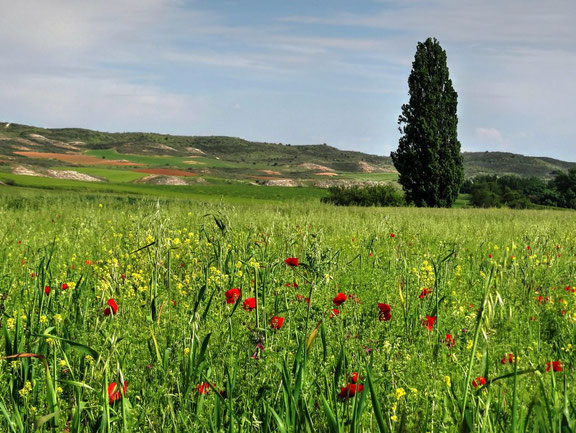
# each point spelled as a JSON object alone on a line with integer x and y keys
{"x": 271, "y": 172}
{"x": 264, "y": 177}
{"x": 75, "y": 158}
{"x": 166, "y": 172}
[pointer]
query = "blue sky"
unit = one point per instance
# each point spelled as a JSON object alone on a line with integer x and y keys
{"x": 300, "y": 72}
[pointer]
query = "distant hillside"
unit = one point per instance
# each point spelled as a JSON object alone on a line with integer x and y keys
{"x": 235, "y": 158}
{"x": 224, "y": 148}
{"x": 500, "y": 163}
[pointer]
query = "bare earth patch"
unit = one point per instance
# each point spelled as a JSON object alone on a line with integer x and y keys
{"x": 326, "y": 173}
{"x": 166, "y": 172}
{"x": 162, "y": 146}
{"x": 56, "y": 174}
{"x": 25, "y": 171}
{"x": 271, "y": 172}
{"x": 76, "y": 158}
{"x": 264, "y": 178}
{"x": 281, "y": 182}
{"x": 318, "y": 167}
{"x": 21, "y": 141}
{"x": 192, "y": 162}
{"x": 195, "y": 151}
{"x": 39, "y": 137}
{"x": 155, "y": 179}
{"x": 66, "y": 146}
{"x": 368, "y": 168}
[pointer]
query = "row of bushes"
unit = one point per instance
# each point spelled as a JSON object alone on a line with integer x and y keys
{"x": 522, "y": 192}
{"x": 485, "y": 191}
{"x": 376, "y": 195}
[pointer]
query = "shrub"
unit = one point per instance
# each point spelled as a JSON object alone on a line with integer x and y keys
{"x": 374, "y": 195}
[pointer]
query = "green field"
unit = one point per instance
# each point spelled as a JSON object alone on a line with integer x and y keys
{"x": 371, "y": 176}
{"x": 479, "y": 306}
{"x": 175, "y": 161}
{"x": 217, "y": 191}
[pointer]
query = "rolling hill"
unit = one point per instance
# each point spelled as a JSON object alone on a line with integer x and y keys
{"x": 500, "y": 163}
{"x": 81, "y": 155}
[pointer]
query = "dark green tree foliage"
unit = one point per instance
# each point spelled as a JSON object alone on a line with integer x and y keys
{"x": 522, "y": 192}
{"x": 428, "y": 157}
{"x": 565, "y": 185}
{"x": 377, "y": 195}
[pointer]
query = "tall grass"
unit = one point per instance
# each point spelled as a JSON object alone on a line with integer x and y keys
{"x": 192, "y": 362}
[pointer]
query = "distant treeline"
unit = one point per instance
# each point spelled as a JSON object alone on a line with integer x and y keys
{"x": 522, "y": 192}
{"x": 487, "y": 191}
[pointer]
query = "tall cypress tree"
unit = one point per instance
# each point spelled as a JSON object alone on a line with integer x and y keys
{"x": 428, "y": 157}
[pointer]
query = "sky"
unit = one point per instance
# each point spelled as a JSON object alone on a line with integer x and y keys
{"x": 290, "y": 71}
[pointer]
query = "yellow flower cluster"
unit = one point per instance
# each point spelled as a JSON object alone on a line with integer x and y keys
{"x": 26, "y": 389}
{"x": 425, "y": 274}
{"x": 399, "y": 393}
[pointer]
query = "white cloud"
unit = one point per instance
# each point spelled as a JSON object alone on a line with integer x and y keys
{"x": 491, "y": 137}
{"x": 134, "y": 64}
{"x": 99, "y": 103}
{"x": 520, "y": 21}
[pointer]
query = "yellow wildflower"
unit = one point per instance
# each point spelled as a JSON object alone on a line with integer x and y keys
{"x": 399, "y": 393}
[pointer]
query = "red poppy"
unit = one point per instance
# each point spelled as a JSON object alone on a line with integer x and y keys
{"x": 428, "y": 322}
{"x": 392, "y": 235}
{"x": 334, "y": 312}
{"x": 114, "y": 392}
{"x": 384, "y": 313}
{"x": 353, "y": 377}
{"x": 64, "y": 286}
{"x": 339, "y": 299}
{"x": 112, "y": 307}
{"x": 449, "y": 340}
{"x": 277, "y": 322}
{"x": 478, "y": 382}
{"x": 123, "y": 276}
{"x": 291, "y": 261}
{"x": 203, "y": 388}
{"x": 554, "y": 365}
{"x": 249, "y": 304}
{"x": 232, "y": 295}
{"x": 350, "y": 390}
{"x": 425, "y": 292}
{"x": 88, "y": 262}
{"x": 47, "y": 290}
{"x": 294, "y": 284}
{"x": 509, "y": 358}
{"x": 489, "y": 256}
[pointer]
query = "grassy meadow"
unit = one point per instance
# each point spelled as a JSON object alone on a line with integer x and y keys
{"x": 119, "y": 314}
